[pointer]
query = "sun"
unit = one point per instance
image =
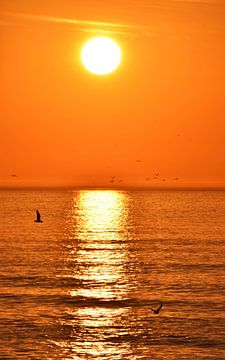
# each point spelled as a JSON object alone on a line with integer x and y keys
{"x": 101, "y": 55}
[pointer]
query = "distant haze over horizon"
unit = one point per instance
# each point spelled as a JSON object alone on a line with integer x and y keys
{"x": 156, "y": 122}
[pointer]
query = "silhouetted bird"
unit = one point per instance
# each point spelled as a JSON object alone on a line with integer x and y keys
{"x": 14, "y": 175}
{"x": 157, "y": 174}
{"x": 38, "y": 217}
{"x": 147, "y": 179}
{"x": 156, "y": 311}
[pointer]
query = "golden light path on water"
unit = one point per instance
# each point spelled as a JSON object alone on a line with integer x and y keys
{"x": 100, "y": 224}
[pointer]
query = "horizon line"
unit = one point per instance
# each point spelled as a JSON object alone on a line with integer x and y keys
{"x": 124, "y": 188}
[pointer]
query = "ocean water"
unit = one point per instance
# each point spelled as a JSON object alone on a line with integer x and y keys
{"x": 81, "y": 284}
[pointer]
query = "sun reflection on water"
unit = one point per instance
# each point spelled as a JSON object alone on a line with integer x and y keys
{"x": 102, "y": 215}
{"x": 101, "y": 225}
{"x": 98, "y": 261}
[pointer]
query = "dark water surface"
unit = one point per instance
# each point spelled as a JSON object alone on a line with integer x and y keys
{"x": 80, "y": 285}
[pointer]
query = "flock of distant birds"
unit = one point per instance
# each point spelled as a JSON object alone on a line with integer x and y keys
{"x": 114, "y": 179}
{"x": 156, "y": 176}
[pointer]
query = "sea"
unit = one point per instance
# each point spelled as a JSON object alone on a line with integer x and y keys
{"x": 82, "y": 284}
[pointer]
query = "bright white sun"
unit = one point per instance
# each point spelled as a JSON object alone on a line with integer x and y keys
{"x": 101, "y": 55}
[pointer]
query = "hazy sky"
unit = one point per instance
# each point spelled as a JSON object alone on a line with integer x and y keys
{"x": 162, "y": 111}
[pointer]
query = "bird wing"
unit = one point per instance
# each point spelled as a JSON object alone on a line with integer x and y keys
{"x": 38, "y": 215}
{"x": 159, "y": 307}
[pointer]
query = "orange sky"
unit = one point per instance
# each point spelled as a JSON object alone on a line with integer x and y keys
{"x": 164, "y": 106}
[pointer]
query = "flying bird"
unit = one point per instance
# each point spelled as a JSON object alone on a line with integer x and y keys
{"x": 156, "y": 311}
{"x": 14, "y": 175}
{"x": 38, "y": 219}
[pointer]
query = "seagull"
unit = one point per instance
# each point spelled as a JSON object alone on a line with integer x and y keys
{"x": 38, "y": 217}
{"x": 156, "y": 311}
